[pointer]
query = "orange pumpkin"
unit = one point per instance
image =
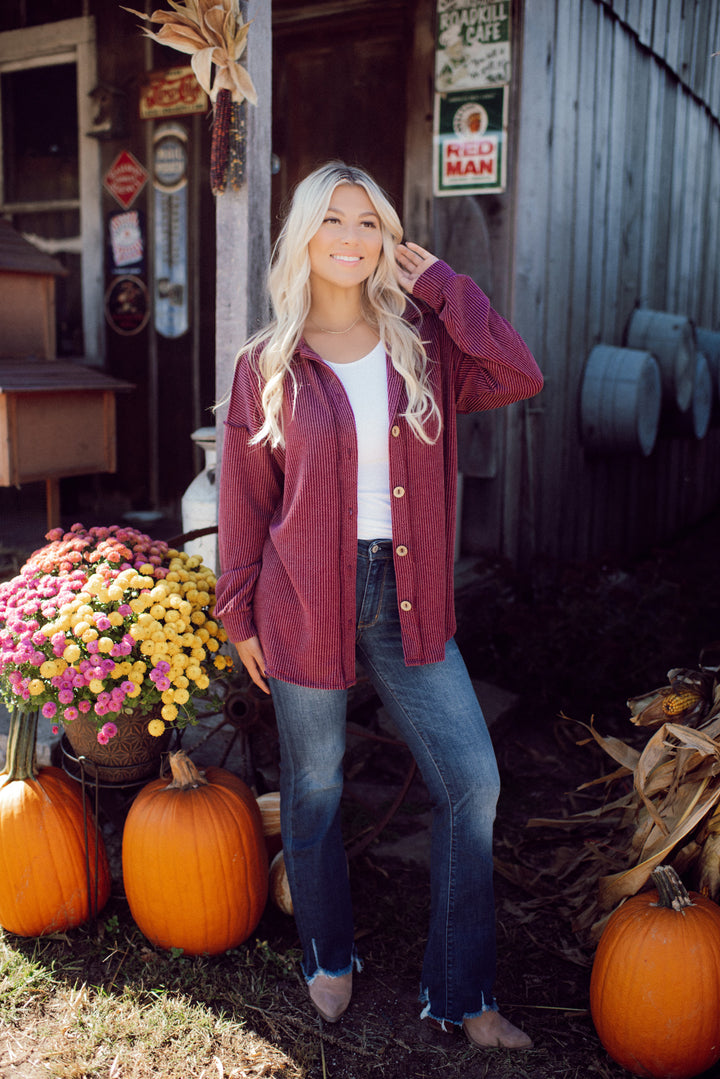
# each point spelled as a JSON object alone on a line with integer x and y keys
{"x": 48, "y": 878}
{"x": 655, "y": 984}
{"x": 194, "y": 859}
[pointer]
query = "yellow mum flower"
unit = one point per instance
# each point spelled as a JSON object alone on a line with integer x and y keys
{"x": 72, "y": 653}
{"x": 197, "y": 618}
{"x": 156, "y": 727}
{"x": 115, "y": 592}
{"x": 137, "y": 633}
{"x": 106, "y": 645}
{"x": 167, "y": 696}
{"x": 211, "y": 627}
{"x": 182, "y": 696}
{"x": 169, "y": 712}
{"x": 90, "y": 634}
{"x": 139, "y": 603}
{"x": 134, "y": 692}
{"x": 147, "y": 648}
{"x": 137, "y": 677}
{"x": 194, "y": 672}
{"x": 212, "y": 645}
{"x": 78, "y": 629}
{"x": 115, "y": 619}
{"x": 96, "y": 685}
{"x": 202, "y": 682}
{"x": 36, "y": 686}
{"x": 220, "y": 662}
{"x": 203, "y": 598}
{"x": 146, "y": 569}
{"x": 158, "y": 611}
{"x": 159, "y": 648}
{"x": 181, "y": 682}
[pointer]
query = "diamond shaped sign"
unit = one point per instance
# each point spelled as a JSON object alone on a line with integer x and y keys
{"x": 125, "y": 178}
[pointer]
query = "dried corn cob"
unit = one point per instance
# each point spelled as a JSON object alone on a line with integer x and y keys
{"x": 678, "y": 702}
{"x": 220, "y": 143}
{"x": 236, "y": 143}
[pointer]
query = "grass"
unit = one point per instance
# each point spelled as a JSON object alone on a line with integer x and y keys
{"x": 101, "y": 1002}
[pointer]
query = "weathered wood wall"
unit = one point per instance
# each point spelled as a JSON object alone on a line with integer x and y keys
{"x": 617, "y": 202}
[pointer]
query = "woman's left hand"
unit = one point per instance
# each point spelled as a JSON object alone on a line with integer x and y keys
{"x": 411, "y": 261}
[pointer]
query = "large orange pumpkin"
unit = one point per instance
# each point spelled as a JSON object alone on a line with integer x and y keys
{"x": 194, "y": 859}
{"x": 48, "y": 878}
{"x": 655, "y": 984}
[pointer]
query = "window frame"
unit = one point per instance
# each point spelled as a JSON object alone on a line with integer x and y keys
{"x": 69, "y": 41}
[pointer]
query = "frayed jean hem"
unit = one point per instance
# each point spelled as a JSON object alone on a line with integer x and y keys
{"x": 426, "y": 1013}
{"x": 355, "y": 964}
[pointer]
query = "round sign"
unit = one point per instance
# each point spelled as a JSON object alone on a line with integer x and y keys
{"x": 126, "y": 305}
{"x": 170, "y": 159}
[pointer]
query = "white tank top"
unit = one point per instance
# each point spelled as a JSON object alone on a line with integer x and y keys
{"x": 365, "y": 383}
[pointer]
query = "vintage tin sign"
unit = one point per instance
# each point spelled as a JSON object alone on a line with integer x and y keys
{"x": 125, "y": 179}
{"x": 470, "y": 143}
{"x": 171, "y": 230}
{"x": 175, "y": 92}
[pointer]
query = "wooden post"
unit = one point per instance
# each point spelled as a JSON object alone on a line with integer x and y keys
{"x": 243, "y": 222}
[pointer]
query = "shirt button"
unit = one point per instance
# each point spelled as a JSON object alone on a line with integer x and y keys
{"x": 401, "y": 550}
{"x": 398, "y": 491}
{"x": 406, "y": 605}
{"x": 395, "y": 431}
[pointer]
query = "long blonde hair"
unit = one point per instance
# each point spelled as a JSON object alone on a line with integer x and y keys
{"x": 383, "y": 303}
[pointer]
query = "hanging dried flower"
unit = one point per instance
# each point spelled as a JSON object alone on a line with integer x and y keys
{"x": 213, "y": 34}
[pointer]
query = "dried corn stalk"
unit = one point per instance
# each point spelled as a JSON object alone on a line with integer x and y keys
{"x": 672, "y": 810}
{"x": 212, "y": 32}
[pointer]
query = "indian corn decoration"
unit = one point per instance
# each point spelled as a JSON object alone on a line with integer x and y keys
{"x": 213, "y": 33}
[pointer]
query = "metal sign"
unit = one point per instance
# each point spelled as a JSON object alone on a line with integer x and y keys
{"x": 125, "y": 179}
{"x": 171, "y": 230}
{"x": 470, "y": 150}
{"x": 175, "y": 92}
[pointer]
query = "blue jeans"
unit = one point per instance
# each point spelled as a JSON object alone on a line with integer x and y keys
{"x": 435, "y": 709}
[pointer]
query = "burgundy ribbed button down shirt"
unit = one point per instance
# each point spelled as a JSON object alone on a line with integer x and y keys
{"x": 288, "y": 517}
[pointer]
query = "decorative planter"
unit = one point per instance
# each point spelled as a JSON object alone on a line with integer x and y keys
{"x": 132, "y": 755}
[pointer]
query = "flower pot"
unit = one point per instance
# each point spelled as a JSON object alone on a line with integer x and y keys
{"x": 131, "y": 756}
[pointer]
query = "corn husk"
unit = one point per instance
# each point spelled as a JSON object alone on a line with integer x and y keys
{"x": 672, "y": 810}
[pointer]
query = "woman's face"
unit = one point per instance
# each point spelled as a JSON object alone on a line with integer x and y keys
{"x": 346, "y": 248}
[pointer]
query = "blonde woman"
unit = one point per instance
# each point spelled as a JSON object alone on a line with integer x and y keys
{"x": 337, "y": 522}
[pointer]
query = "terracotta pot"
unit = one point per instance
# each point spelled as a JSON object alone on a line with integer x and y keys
{"x": 133, "y": 754}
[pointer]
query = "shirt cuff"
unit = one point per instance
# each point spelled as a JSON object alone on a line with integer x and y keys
{"x": 430, "y": 285}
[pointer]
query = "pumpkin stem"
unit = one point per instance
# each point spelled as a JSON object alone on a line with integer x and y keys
{"x": 672, "y": 892}
{"x": 20, "y": 760}
{"x": 185, "y": 775}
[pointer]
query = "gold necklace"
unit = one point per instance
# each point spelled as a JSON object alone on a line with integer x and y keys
{"x": 352, "y": 325}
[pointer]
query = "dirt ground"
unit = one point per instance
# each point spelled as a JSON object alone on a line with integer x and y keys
{"x": 575, "y": 644}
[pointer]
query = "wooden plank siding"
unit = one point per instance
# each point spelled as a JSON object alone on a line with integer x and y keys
{"x": 617, "y": 206}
